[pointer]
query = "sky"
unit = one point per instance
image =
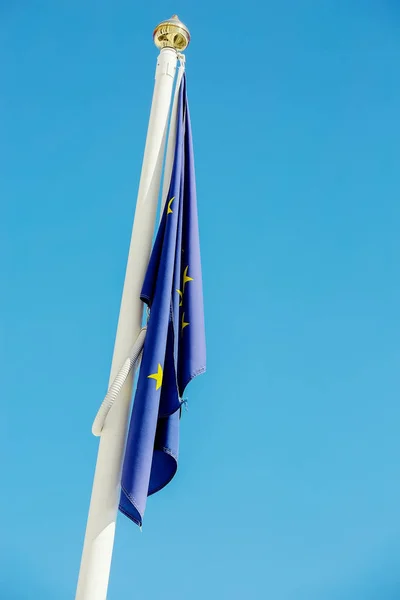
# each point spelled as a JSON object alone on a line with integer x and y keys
{"x": 289, "y": 482}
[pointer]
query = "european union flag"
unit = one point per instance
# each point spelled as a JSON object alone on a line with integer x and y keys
{"x": 174, "y": 349}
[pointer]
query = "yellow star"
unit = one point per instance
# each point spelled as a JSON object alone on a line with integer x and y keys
{"x": 186, "y": 277}
{"x": 170, "y": 211}
{"x": 157, "y": 376}
{"x": 180, "y": 297}
{"x": 184, "y": 324}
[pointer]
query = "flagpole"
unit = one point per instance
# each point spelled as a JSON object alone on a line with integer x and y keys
{"x": 170, "y": 37}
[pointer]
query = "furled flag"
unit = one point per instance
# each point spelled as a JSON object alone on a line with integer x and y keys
{"x": 174, "y": 349}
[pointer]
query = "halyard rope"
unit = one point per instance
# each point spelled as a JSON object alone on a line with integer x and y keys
{"x": 116, "y": 386}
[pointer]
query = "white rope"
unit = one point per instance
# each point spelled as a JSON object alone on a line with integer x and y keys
{"x": 116, "y": 386}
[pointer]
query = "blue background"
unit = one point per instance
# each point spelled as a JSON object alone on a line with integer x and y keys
{"x": 288, "y": 486}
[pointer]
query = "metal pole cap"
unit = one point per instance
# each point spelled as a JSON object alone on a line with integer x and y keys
{"x": 172, "y": 33}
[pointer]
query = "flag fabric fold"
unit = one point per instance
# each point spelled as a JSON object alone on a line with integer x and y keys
{"x": 174, "y": 350}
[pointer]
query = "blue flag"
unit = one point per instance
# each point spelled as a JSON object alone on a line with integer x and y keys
{"x": 174, "y": 350}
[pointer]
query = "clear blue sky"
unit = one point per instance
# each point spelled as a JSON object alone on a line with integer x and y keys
{"x": 289, "y": 480}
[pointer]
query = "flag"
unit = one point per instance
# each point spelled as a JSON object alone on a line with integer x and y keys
{"x": 174, "y": 350}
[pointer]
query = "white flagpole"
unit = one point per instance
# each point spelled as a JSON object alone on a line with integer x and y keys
{"x": 171, "y": 37}
{"x": 170, "y": 152}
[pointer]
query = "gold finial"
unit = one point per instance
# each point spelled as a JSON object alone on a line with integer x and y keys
{"x": 172, "y": 33}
